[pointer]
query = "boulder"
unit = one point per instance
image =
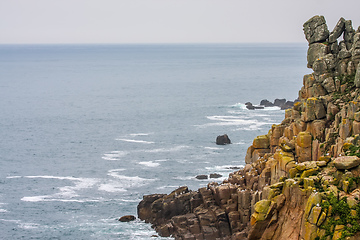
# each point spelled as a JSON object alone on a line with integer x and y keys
{"x": 355, "y": 50}
{"x": 324, "y": 64}
{"x": 249, "y": 106}
{"x": 314, "y": 109}
{"x": 261, "y": 141}
{"x": 357, "y": 76}
{"x": 223, "y": 140}
{"x": 316, "y": 51}
{"x": 346, "y": 162}
{"x": 348, "y": 33}
{"x": 215, "y": 175}
{"x": 338, "y": 30}
{"x": 127, "y": 218}
{"x": 329, "y": 85}
{"x": 266, "y": 103}
{"x": 279, "y": 102}
{"x": 201, "y": 177}
{"x": 316, "y": 30}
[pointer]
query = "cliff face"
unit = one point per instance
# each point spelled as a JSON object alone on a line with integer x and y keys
{"x": 302, "y": 179}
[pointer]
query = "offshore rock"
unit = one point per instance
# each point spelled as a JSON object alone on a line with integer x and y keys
{"x": 266, "y": 103}
{"x": 201, "y": 177}
{"x": 223, "y": 140}
{"x": 127, "y": 218}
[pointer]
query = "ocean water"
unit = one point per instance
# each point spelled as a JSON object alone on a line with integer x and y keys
{"x": 87, "y": 130}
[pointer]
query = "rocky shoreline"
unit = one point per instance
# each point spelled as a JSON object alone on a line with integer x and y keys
{"x": 281, "y": 103}
{"x": 302, "y": 179}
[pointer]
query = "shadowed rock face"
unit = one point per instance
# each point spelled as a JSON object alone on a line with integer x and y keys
{"x": 223, "y": 140}
{"x": 302, "y": 179}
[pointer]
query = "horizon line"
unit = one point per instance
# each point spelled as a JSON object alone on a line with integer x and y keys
{"x": 149, "y": 43}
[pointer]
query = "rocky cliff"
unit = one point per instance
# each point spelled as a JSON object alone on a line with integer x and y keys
{"x": 302, "y": 179}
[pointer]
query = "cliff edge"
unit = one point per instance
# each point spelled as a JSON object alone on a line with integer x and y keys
{"x": 301, "y": 180}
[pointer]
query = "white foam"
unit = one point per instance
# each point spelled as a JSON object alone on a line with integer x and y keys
{"x": 66, "y": 193}
{"x": 29, "y": 225}
{"x": 139, "y": 134}
{"x": 184, "y": 178}
{"x": 34, "y": 199}
{"x": 134, "y": 141}
{"x": 232, "y": 121}
{"x": 47, "y": 198}
{"x": 54, "y": 177}
{"x": 240, "y": 105}
{"x": 3, "y": 210}
{"x": 117, "y": 170}
{"x": 127, "y": 182}
{"x": 114, "y": 155}
{"x": 170, "y": 186}
{"x": 131, "y": 200}
{"x": 11, "y": 177}
{"x": 243, "y": 106}
{"x": 225, "y": 168}
{"x": 213, "y": 148}
{"x": 172, "y": 149}
{"x": 161, "y": 160}
{"x": 150, "y": 164}
{"x": 108, "y": 187}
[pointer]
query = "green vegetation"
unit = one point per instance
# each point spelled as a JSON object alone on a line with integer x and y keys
{"x": 340, "y": 213}
{"x": 349, "y": 82}
{"x": 353, "y": 150}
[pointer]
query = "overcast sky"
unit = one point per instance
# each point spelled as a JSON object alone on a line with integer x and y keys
{"x": 165, "y": 21}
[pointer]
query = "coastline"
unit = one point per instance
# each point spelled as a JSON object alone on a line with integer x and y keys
{"x": 295, "y": 174}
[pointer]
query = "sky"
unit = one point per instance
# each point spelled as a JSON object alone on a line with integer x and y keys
{"x": 165, "y": 21}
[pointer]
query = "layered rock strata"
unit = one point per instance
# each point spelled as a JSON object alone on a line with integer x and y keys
{"x": 301, "y": 179}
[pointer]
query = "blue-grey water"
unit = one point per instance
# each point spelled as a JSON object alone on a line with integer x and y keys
{"x": 87, "y": 130}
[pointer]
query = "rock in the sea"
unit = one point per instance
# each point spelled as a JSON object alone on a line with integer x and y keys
{"x": 215, "y": 175}
{"x": 266, "y": 103}
{"x": 249, "y": 106}
{"x": 127, "y": 218}
{"x": 201, "y": 177}
{"x": 287, "y": 105}
{"x": 279, "y": 102}
{"x": 223, "y": 139}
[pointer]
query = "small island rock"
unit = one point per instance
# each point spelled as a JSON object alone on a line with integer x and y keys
{"x": 127, "y": 218}
{"x": 223, "y": 139}
{"x": 201, "y": 177}
{"x": 215, "y": 175}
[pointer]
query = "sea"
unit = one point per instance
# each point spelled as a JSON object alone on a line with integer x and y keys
{"x": 88, "y": 130}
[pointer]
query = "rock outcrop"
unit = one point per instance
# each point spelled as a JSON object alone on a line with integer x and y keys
{"x": 223, "y": 140}
{"x": 301, "y": 179}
